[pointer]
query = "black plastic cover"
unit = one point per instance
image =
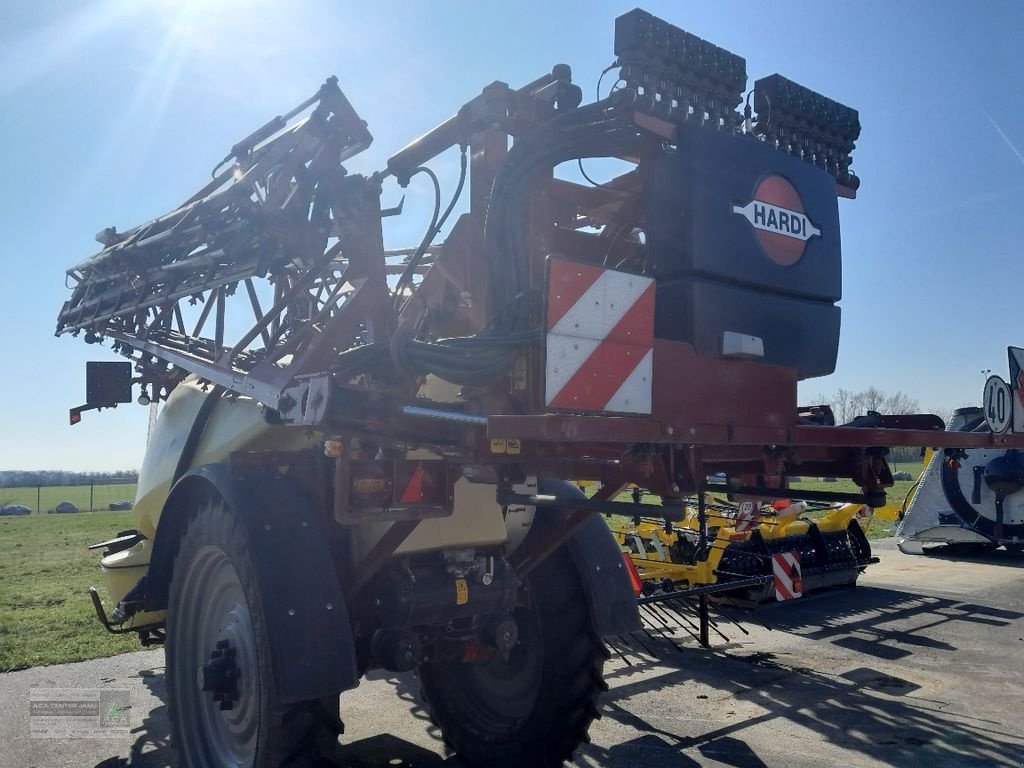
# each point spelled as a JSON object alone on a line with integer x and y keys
{"x": 598, "y": 560}
{"x": 311, "y": 640}
{"x": 108, "y": 384}
{"x": 797, "y": 333}
{"x": 693, "y": 229}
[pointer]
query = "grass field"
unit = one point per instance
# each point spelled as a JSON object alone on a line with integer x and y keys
{"x": 48, "y": 497}
{"x": 879, "y": 528}
{"x": 45, "y": 571}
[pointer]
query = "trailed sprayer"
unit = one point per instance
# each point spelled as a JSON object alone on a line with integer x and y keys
{"x": 366, "y": 457}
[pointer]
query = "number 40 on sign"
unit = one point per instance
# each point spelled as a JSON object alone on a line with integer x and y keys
{"x": 1003, "y": 403}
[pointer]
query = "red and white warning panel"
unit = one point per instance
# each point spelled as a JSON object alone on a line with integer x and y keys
{"x": 786, "y": 570}
{"x": 1017, "y": 386}
{"x": 600, "y": 339}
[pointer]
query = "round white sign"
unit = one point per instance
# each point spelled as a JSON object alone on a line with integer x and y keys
{"x": 998, "y": 405}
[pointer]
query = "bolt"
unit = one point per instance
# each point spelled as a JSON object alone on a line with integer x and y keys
{"x": 291, "y": 611}
{"x": 330, "y": 607}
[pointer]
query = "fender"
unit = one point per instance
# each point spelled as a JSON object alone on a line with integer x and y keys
{"x": 295, "y": 574}
{"x": 598, "y": 560}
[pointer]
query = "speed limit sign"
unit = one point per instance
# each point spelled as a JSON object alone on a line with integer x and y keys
{"x": 998, "y": 405}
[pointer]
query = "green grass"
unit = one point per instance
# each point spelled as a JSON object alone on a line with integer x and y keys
{"x": 45, "y": 569}
{"x": 48, "y": 497}
{"x": 878, "y": 529}
{"x": 46, "y": 616}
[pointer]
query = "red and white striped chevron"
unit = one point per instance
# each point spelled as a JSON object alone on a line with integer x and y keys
{"x": 600, "y": 339}
{"x": 786, "y": 570}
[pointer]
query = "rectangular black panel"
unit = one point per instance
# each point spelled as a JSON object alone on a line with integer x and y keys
{"x": 108, "y": 384}
{"x": 797, "y": 333}
{"x": 703, "y": 202}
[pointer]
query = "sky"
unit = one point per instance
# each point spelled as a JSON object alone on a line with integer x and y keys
{"x": 114, "y": 111}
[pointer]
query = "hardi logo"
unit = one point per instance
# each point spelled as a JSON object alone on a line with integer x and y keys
{"x": 780, "y": 224}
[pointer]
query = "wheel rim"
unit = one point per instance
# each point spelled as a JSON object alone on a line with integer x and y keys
{"x": 215, "y": 611}
{"x": 505, "y": 689}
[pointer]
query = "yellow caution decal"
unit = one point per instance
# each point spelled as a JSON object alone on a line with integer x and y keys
{"x": 461, "y": 592}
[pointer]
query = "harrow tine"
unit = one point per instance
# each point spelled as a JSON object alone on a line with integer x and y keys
{"x": 652, "y": 611}
{"x": 618, "y": 652}
{"x": 728, "y": 617}
{"x": 666, "y": 619}
{"x": 690, "y": 629}
{"x": 711, "y": 622}
{"x": 671, "y": 606}
{"x": 636, "y": 637}
{"x": 664, "y": 630}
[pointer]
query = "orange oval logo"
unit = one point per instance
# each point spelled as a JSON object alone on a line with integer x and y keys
{"x": 780, "y": 224}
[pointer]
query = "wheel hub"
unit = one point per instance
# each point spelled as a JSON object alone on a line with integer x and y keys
{"x": 219, "y": 676}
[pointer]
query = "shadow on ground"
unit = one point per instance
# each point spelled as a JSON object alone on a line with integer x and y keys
{"x": 965, "y": 554}
{"x": 865, "y": 711}
{"x": 863, "y": 619}
{"x": 151, "y": 748}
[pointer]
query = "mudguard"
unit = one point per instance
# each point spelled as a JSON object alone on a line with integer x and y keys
{"x": 306, "y": 615}
{"x": 598, "y": 559}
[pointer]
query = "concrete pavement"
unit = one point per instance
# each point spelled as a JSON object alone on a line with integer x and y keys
{"x": 922, "y": 664}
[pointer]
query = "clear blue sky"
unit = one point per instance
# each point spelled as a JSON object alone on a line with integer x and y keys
{"x": 113, "y": 112}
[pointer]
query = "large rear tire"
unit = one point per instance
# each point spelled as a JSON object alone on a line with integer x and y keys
{"x": 223, "y": 706}
{"x": 534, "y": 707}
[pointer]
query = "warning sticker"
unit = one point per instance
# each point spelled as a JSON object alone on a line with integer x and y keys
{"x": 786, "y": 569}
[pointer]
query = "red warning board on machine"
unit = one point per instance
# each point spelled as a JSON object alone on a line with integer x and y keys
{"x": 786, "y": 569}
{"x": 600, "y": 339}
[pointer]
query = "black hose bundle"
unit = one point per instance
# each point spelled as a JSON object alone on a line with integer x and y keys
{"x": 464, "y": 360}
{"x": 436, "y": 222}
{"x": 591, "y": 131}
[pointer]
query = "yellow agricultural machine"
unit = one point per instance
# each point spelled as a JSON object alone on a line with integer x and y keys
{"x": 743, "y": 536}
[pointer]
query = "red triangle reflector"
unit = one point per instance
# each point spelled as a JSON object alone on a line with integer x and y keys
{"x": 634, "y": 575}
{"x": 413, "y": 493}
